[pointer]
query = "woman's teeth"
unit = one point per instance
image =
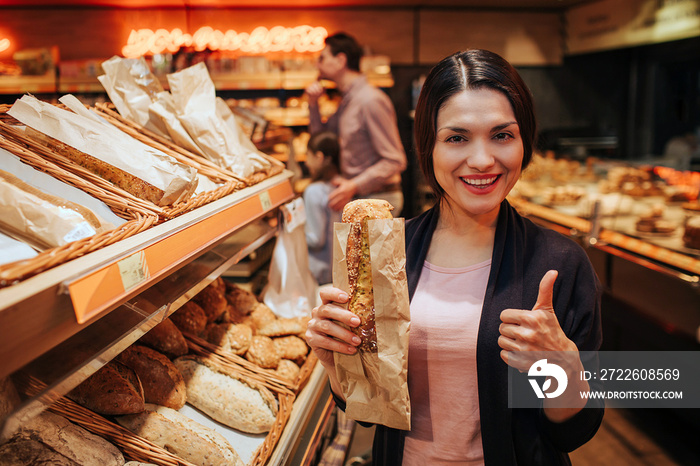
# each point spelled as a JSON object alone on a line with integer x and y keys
{"x": 480, "y": 182}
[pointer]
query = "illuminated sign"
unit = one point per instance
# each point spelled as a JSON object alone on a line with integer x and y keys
{"x": 261, "y": 40}
{"x": 4, "y": 44}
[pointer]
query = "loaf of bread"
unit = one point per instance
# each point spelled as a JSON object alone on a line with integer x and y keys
{"x": 162, "y": 382}
{"x": 181, "y": 436}
{"x": 190, "y": 318}
{"x": 166, "y": 338}
{"x": 114, "y": 389}
{"x": 232, "y": 400}
{"x": 235, "y": 338}
{"x": 357, "y": 213}
{"x": 41, "y": 219}
{"x": 50, "y": 439}
{"x": 212, "y": 301}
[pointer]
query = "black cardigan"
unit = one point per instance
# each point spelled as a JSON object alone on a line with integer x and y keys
{"x": 523, "y": 252}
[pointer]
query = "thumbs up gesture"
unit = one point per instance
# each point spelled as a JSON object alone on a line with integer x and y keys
{"x": 537, "y": 329}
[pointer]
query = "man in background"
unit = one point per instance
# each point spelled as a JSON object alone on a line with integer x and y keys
{"x": 371, "y": 154}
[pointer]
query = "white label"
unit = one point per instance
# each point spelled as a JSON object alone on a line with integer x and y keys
{"x": 294, "y": 214}
{"x": 265, "y": 200}
{"x": 133, "y": 270}
{"x": 81, "y": 230}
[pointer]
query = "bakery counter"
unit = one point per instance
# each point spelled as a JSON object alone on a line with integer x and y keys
{"x": 64, "y": 324}
{"x": 651, "y": 283}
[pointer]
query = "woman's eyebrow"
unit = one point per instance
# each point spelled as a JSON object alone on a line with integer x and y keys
{"x": 503, "y": 126}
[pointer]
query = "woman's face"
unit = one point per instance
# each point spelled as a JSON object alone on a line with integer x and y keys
{"x": 478, "y": 150}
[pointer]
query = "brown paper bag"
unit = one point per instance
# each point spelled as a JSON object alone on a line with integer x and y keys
{"x": 375, "y": 385}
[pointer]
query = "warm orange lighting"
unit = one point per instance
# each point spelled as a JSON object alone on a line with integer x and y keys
{"x": 689, "y": 180}
{"x": 4, "y": 44}
{"x": 262, "y": 40}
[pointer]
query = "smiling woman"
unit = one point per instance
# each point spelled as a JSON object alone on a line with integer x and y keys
{"x": 486, "y": 285}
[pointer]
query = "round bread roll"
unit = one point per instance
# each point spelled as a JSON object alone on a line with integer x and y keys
{"x": 235, "y": 338}
{"x": 260, "y": 317}
{"x": 280, "y": 327}
{"x": 212, "y": 301}
{"x": 190, "y": 318}
{"x": 291, "y": 347}
{"x": 242, "y": 301}
{"x": 288, "y": 369}
{"x": 262, "y": 352}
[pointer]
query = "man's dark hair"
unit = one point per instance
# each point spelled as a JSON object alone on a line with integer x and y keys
{"x": 341, "y": 42}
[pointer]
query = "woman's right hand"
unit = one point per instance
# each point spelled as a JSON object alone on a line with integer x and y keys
{"x": 324, "y": 334}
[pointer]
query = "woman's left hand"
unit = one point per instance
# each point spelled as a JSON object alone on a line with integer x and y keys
{"x": 538, "y": 329}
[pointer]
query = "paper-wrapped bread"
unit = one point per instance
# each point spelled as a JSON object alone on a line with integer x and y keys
{"x": 361, "y": 289}
{"x": 103, "y": 149}
{"x": 41, "y": 219}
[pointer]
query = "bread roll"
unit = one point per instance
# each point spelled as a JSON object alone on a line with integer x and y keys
{"x": 280, "y": 327}
{"x": 166, "y": 338}
{"x": 291, "y": 347}
{"x": 181, "y": 436}
{"x": 52, "y": 439}
{"x": 260, "y": 317}
{"x": 212, "y": 301}
{"x": 234, "y": 401}
{"x": 162, "y": 382}
{"x": 361, "y": 291}
{"x": 263, "y": 353}
{"x": 190, "y": 318}
{"x": 288, "y": 369}
{"x": 114, "y": 389}
{"x": 242, "y": 301}
{"x": 235, "y": 338}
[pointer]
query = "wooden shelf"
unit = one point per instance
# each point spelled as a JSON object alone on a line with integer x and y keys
{"x": 42, "y": 312}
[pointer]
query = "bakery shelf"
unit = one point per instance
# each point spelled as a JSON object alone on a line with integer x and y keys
{"x": 43, "y": 311}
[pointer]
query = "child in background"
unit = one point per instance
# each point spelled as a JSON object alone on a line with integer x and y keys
{"x": 323, "y": 162}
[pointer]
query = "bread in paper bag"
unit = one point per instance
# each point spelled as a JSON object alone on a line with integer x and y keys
{"x": 369, "y": 262}
{"x": 41, "y": 219}
{"x": 103, "y": 149}
{"x": 211, "y": 124}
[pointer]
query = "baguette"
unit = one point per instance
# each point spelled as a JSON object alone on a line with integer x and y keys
{"x": 232, "y": 400}
{"x": 181, "y": 436}
{"x": 357, "y": 213}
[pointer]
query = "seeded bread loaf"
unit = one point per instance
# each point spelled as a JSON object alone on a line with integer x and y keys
{"x": 234, "y": 401}
{"x": 361, "y": 291}
{"x": 53, "y": 440}
{"x": 190, "y": 318}
{"x": 181, "y": 436}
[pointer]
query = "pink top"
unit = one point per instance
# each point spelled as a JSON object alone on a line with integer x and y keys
{"x": 442, "y": 379}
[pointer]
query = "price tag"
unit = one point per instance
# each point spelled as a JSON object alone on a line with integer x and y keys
{"x": 133, "y": 270}
{"x": 265, "y": 200}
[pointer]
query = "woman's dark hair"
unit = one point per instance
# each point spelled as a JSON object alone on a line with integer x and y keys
{"x": 341, "y": 42}
{"x": 468, "y": 70}
{"x": 327, "y": 143}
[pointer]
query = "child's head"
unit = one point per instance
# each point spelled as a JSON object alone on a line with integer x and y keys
{"x": 323, "y": 155}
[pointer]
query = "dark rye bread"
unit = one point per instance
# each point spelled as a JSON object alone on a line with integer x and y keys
{"x": 190, "y": 318}
{"x": 114, "y": 389}
{"x": 166, "y": 338}
{"x": 212, "y": 301}
{"x": 162, "y": 382}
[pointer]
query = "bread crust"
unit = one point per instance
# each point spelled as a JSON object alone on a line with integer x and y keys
{"x": 357, "y": 213}
{"x": 114, "y": 389}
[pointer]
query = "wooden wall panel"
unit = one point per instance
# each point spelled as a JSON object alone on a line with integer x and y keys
{"x": 87, "y": 33}
{"x": 522, "y": 38}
